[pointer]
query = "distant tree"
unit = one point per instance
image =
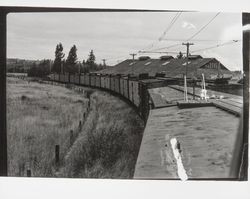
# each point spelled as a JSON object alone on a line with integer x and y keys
{"x": 84, "y": 67}
{"x": 71, "y": 61}
{"x": 101, "y": 66}
{"x": 91, "y": 61}
{"x": 58, "y": 59}
{"x": 42, "y": 69}
{"x": 180, "y": 55}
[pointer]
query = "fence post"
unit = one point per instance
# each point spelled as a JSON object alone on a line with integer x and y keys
{"x": 57, "y": 154}
{"x": 89, "y": 103}
{"x": 193, "y": 89}
{"x": 71, "y": 137}
{"x": 80, "y": 125}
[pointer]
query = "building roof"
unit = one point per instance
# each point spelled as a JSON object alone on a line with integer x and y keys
{"x": 171, "y": 67}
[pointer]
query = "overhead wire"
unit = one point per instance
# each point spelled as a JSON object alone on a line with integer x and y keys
{"x": 172, "y": 22}
{"x": 194, "y": 35}
{"x": 216, "y": 46}
{"x": 170, "y": 26}
{"x": 203, "y": 27}
{"x": 202, "y": 40}
{"x": 149, "y": 52}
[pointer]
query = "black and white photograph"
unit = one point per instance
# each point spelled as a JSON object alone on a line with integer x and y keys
{"x": 144, "y": 95}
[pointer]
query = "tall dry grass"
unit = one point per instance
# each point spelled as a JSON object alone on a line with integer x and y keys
{"x": 41, "y": 116}
{"x": 109, "y": 144}
{"x": 38, "y": 118}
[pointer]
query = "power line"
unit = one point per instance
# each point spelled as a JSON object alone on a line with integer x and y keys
{"x": 201, "y": 40}
{"x": 160, "y": 52}
{"x": 120, "y": 57}
{"x": 216, "y": 46}
{"x": 174, "y": 45}
{"x": 203, "y": 27}
{"x": 194, "y": 35}
{"x": 174, "y": 19}
{"x": 170, "y": 25}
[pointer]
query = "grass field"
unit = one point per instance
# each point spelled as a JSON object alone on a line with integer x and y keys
{"x": 40, "y": 116}
{"x": 109, "y": 144}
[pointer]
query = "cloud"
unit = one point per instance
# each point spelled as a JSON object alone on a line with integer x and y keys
{"x": 188, "y": 25}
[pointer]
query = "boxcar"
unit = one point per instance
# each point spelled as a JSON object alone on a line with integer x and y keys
{"x": 98, "y": 81}
{"x": 112, "y": 83}
{"x": 102, "y": 81}
{"x": 121, "y": 86}
{"x": 71, "y": 78}
{"x": 117, "y": 84}
{"x": 92, "y": 80}
{"x": 82, "y": 79}
{"x": 136, "y": 96}
{"x": 107, "y": 82}
{"x": 131, "y": 90}
{"x": 64, "y": 78}
{"x": 86, "y": 79}
{"x": 125, "y": 88}
{"x": 77, "y": 79}
{"x": 56, "y": 77}
{"x": 60, "y": 77}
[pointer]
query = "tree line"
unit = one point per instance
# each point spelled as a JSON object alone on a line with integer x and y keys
{"x": 69, "y": 65}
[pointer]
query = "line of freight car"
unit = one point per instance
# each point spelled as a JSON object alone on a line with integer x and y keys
{"x": 130, "y": 89}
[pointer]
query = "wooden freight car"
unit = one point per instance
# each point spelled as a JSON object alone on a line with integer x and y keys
{"x": 56, "y": 77}
{"x": 102, "y": 81}
{"x": 112, "y": 83}
{"x": 86, "y": 79}
{"x": 82, "y": 80}
{"x": 107, "y": 82}
{"x": 136, "y": 96}
{"x": 77, "y": 79}
{"x": 98, "y": 80}
{"x": 92, "y": 79}
{"x": 125, "y": 87}
{"x": 117, "y": 84}
{"x": 72, "y": 78}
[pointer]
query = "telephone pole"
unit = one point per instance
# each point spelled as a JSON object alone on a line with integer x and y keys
{"x": 187, "y": 44}
{"x": 133, "y": 55}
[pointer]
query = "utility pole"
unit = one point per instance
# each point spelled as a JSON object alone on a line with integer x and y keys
{"x": 104, "y": 64}
{"x": 187, "y": 44}
{"x": 133, "y": 55}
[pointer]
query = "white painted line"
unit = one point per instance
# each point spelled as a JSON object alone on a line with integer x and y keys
{"x": 180, "y": 168}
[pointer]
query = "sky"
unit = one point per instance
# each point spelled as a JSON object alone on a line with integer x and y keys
{"x": 115, "y": 35}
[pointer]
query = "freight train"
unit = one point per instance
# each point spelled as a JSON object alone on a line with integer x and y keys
{"x": 132, "y": 88}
